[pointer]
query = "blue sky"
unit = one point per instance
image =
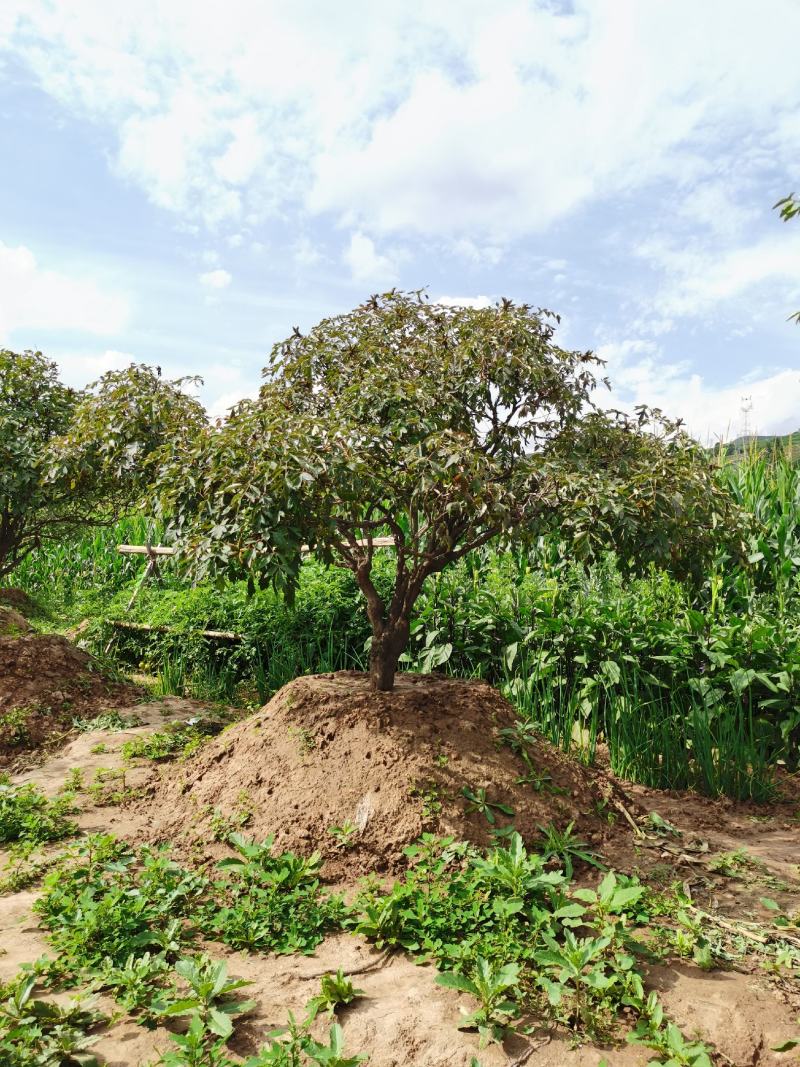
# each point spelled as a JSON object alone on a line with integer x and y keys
{"x": 183, "y": 183}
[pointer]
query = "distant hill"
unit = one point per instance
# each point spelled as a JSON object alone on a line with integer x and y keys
{"x": 789, "y": 445}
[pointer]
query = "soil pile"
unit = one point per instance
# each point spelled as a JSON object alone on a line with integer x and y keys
{"x": 328, "y": 753}
{"x": 12, "y": 624}
{"x": 18, "y": 599}
{"x": 46, "y": 682}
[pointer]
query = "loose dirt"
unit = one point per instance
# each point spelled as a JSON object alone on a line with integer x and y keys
{"x": 327, "y": 752}
{"x": 45, "y": 683}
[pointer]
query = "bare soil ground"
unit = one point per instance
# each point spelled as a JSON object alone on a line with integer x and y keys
{"x": 291, "y": 757}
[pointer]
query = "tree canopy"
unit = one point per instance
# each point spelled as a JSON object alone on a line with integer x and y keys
{"x": 441, "y": 427}
{"x": 68, "y": 458}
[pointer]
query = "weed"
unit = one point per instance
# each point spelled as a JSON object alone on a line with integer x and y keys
{"x": 335, "y": 991}
{"x": 223, "y": 826}
{"x": 27, "y": 815}
{"x": 109, "y": 720}
{"x": 270, "y": 902}
{"x": 110, "y": 787}
{"x": 655, "y": 1032}
{"x": 304, "y": 738}
{"x": 174, "y": 741}
{"x": 73, "y": 783}
{"x": 490, "y": 986}
{"x": 39, "y": 1032}
{"x": 14, "y": 724}
{"x": 98, "y": 750}
{"x": 208, "y": 996}
{"x": 566, "y": 847}
{"x": 428, "y": 793}
{"x": 344, "y": 835}
{"x": 478, "y": 801}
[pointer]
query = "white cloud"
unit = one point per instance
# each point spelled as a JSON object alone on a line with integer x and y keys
{"x": 466, "y": 301}
{"x": 462, "y": 119}
{"x": 215, "y": 279}
{"x": 33, "y": 298}
{"x": 367, "y": 265}
{"x": 699, "y": 277}
{"x": 640, "y": 375}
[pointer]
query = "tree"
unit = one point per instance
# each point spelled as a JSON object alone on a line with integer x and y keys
{"x": 34, "y": 408}
{"x": 789, "y": 209}
{"x": 443, "y": 428}
{"x": 69, "y": 459}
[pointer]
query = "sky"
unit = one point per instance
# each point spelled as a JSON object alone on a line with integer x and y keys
{"x": 184, "y": 183}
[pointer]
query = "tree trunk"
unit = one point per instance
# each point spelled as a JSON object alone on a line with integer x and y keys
{"x": 385, "y": 652}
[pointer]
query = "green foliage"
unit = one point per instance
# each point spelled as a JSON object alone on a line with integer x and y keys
{"x": 28, "y": 816}
{"x": 39, "y": 1033}
{"x": 502, "y": 927}
{"x": 69, "y": 460}
{"x": 490, "y": 987}
{"x": 208, "y": 996}
{"x": 655, "y": 1032}
{"x": 124, "y": 427}
{"x": 335, "y": 991}
{"x": 174, "y": 741}
{"x": 478, "y": 801}
{"x": 444, "y": 428}
{"x": 34, "y": 408}
{"x": 565, "y": 847}
{"x": 106, "y": 903}
{"x": 294, "y": 1047}
{"x": 270, "y": 902}
{"x": 789, "y": 209}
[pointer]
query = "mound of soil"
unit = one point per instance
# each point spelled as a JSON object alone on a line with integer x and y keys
{"x": 327, "y": 752}
{"x": 46, "y": 682}
{"x": 18, "y": 599}
{"x": 12, "y": 624}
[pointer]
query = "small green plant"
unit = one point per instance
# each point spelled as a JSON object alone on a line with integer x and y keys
{"x": 110, "y": 787}
{"x": 490, "y": 986}
{"x": 197, "y": 1048}
{"x": 208, "y": 997}
{"x": 655, "y": 1032}
{"x": 428, "y": 793}
{"x": 177, "y": 740}
{"x": 478, "y": 801}
{"x": 566, "y": 847}
{"x": 27, "y": 815}
{"x": 73, "y": 783}
{"x": 304, "y": 738}
{"x": 270, "y": 902}
{"x": 40, "y": 1032}
{"x": 24, "y": 871}
{"x": 293, "y": 1046}
{"x": 335, "y": 991}
{"x": 136, "y": 983}
{"x": 14, "y": 724}
{"x": 98, "y": 750}
{"x": 344, "y": 835}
